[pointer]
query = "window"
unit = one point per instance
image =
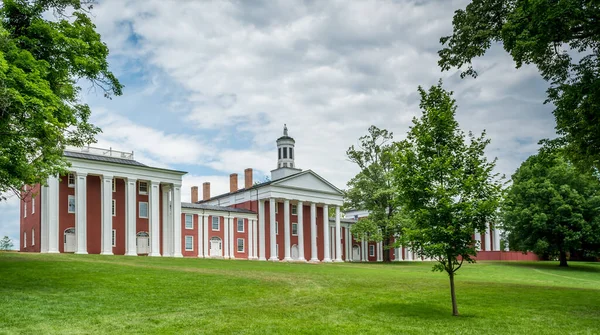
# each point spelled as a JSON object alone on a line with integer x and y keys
{"x": 114, "y": 207}
{"x": 114, "y": 237}
{"x": 24, "y": 209}
{"x": 276, "y": 207}
{"x": 276, "y": 228}
{"x": 32, "y": 237}
{"x": 216, "y": 223}
{"x": 294, "y": 228}
{"x": 24, "y": 239}
{"x": 372, "y": 251}
{"x": 240, "y": 245}
{"x": 143, "y": 210}
{"x": 189, "y": 221}
{"x": 294, "y": 210}
{"x": 143, "y": 187}
{"x": 291, "y": 153}
{"x": 71, "y": 204}
{"x": 277, "y": 250}
{"x": 240, "y": 225}
{"x": 284, "y": 152}
{"x": 71, "y": 179}
{"x": 32, "y": 205}
{"x": 189, "y": 243}
{"x": 114, "y": 185}
{"x": 356, "y": 217}
{"x": 279, "y": 153}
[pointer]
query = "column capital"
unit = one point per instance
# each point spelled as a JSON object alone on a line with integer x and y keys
{"x": 130, "y": 179}
{"x": 155, "y": 182}
{"x": 166, "y": 187}
{"x": 80, "y": 173}
{"x": 107, "y": 176}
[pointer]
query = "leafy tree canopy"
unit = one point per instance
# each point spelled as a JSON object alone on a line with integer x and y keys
{"x": 446, "y": 186}
{"x": 6, "y": 243}
{"x": 562, "y": 38}
{"x": 41, "y": 62}
{"x": 552, "y": 208}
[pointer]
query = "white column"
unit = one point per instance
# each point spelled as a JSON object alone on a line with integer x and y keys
{"x": 254, "y": 239}
{"x": 177, "y": 220}
{"x": 232, "y": 244}
{"x": 477, "y": 241}
{"x": 106, "y": 204}
{"x": 400, "y": 253}
{"x": 397, "y": 256}
{"x": 272, "y": 226}
{"x": 200, "y": 235}
{"x": 286, "y": 230}
{"x": 154, "y": 218}
{"x": 261, "y": 231}
{"x": 487, "y": 237}
{"x": 363, "y": 253}
{"x": 326, "y": 257}
{"x": 166, "y": 230}
{"x": 313, "y": 233}
{"x": 226, "y": 238}
{"x": 250, "y": 246}
{"x": 348, "y": 241}
{"x": 506, "y": 245}
{"x": 338, "y": 236}
{"x": 206, "y": 241}
{"x": 81, "y": 212}
{"x": 379, "y": 251}
{"x": 496, "y": 239}
{"x": 131, "y": 216}
{"x": 44, "y": 219}
{"x": 300, "y": 217}
{"x": 52, "y": 214}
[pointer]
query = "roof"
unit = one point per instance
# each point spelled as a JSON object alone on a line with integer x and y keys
{"x": 216, "y": 208}
{"x": 343, "y": 220}
{"x": 285, "y": 137}
{"x": 109, "y": 159}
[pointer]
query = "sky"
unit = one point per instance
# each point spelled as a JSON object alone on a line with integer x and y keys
{"x": 210, "y": 84}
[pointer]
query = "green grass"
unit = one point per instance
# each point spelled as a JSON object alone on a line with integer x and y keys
{"x": 74, "y": 294}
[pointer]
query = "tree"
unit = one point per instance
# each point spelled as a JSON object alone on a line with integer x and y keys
{"x": 6, "y": 243}
{"x": 41, "y": 62}
{"x": 552, "y": 208}
{"x": 371, "y": 189}
{"x": 447, "y": 187}
{"x": 549, "y": 34}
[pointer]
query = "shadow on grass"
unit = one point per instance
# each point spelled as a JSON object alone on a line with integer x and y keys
{"x": 551, "y": 265}
{"x": 417, "y": 310}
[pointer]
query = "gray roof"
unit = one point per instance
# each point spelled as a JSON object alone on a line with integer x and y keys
{"x": 216, "y": 208}
{"x": 117, "y": 160}
{"x": 343, "y": 220}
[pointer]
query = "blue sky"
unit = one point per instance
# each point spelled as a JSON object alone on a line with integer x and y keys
{"x": 209, "y": 85}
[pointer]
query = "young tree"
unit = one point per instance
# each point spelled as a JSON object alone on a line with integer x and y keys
{"x": 552, "y": 208}
{"x": 551, "y": 35}
{"x": 371, "y": 189}
{"x": 6, "y": 243}
{"x": 447, "y": 187}
{"x": 41, "y": 62}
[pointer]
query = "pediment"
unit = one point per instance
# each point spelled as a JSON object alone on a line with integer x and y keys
{"x": 308, "y": 180}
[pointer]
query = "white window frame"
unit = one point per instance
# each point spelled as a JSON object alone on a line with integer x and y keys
{"x": 294, "y": 209}
{"x": 276, "y": 228}
{"x": 70, "y": 177}
{"x": 114, "y": 207}
{"x": 276, "y": 207}
{"x": 140, "y": 209}
{"x": 24, "y": 239}
{"x": 74, "y": 204}
{"x": 25, "y": 208}
{"x": 114, "y": 238}
{"x": 237, "y": 245}
{"x": 186, "y": 222}
{"x": 371, "y": 250}
{"x": 140, "y": 187}
{"x": 32, "y": 205}
{"x": 192, "y": 242}
{"x": 277, "y": 250}
{"x": 114, "y": 184}
{"x": 32, "y": 237}
{"x": 212, "y": 224}
{"x": 238, "y": 226}
{"x": 294, "y": 224}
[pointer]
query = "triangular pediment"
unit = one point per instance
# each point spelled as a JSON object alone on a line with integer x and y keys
{"x": 308, "y": 180}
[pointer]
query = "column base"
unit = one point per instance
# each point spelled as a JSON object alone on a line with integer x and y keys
{"x": 53, "y": 252}
{"x": 288, "y": 259}
{"x": 154, "y": 254}
{"x": 200, "y": 256}
{"x": 81, "y": 252}
{"x": 130, "y": 254}
{"x": 314, "y": 260}
{"x": 178, "y": 255}
{"x": 273, "y": 259}
{"x": 302, "y": 260}
{"x": 327, "y": 260}
{"x": 339, "y": 260}
{"x": 262, "y": 259}
{"x": 107, "y": 253}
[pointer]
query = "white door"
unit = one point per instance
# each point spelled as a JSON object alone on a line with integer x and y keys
{"x": 69, "y": 240}
{"x": 215, "y": 247}
{"x": 355, "y": 253}
{"x": 295, "y": 252}
{"x": 142, "y": 242}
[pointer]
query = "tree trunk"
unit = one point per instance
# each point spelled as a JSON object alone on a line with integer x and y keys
{"x": 386, "y": 251}
{"x": 453, "y": 294}
{"x": 563, "y": 258}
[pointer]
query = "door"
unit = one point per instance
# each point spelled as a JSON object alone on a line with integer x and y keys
{"x": 215, "y": 247}
{"x": 69, "y": 240}
{"x": 295, "y": 253}
{"x": 142, "y": 243}
{"x": 355, "y": 253}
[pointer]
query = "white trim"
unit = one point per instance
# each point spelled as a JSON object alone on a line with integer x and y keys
{"x": 32, "y": 237}
{"x": 237, "y": 228}
{"x": 276, "y": 207}
{"x": 114, "y": 184}
{"x": 185, "y": 242}
{"x": 185, "y": 221}
{"x": 140, "y": 182}
{"x": 24, "y": 239}
{"x": 74, "y": 204}
{"x": 114, "y": 207}
{"x": 32, "y": 205}
{"x": 294, "y": 209}
{"x": 276, "y": 228}
{"x": 212, "y": 220}
{"x": 294, "y": 223}
{"x": 69, "y": 177}
{"x": 140, "y": 209}
{"x": 24, "y": 208}
{"x": 114, "y": 238}
{"x": 237, "y": 245}
{"x": 371, "y": 248}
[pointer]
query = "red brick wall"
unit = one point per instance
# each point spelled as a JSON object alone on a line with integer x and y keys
{"x": 32, "y": 221}
{"x": 65, "y": 219}
{"x": 189, "y": 232}
{"x": 118, "y": 221}
{"x": 506, "y": 256}
{"x": 141, "y": 223}
{"x": 94, "y": 214}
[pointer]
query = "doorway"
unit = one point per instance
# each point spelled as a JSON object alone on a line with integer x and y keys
{"x": 142, "y": 242}
{"x": 215, "y": 247}
{"x": 69, "y": 240}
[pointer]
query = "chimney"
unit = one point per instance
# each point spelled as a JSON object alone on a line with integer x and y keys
{"x": 233, "y": 182}
{"x": 205, "y": 191}
{"x": 194, "y": 194}
{"x": 248, "y": 178}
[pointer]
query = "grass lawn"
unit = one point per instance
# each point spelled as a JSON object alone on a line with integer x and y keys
{"x": 74, "y": 294}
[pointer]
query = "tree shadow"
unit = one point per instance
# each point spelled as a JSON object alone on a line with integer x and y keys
{"x": 546, "y": 265}
{"x": 417, "y": 310}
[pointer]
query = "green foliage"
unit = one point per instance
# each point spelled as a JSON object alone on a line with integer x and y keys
{"x": 41, "y": 62}
{"x": 446, "y": 186}
{"x": 552, "y": 208}
{"x": 372, "y": 188}
{"x": 551, "y": 35}
{"x": 6, "y": 243}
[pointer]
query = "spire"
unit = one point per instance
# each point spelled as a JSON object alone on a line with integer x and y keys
{"x": 285, "y": 132}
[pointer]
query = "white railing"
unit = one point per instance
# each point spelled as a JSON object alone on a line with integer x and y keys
{"x": 101, "y": 152}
